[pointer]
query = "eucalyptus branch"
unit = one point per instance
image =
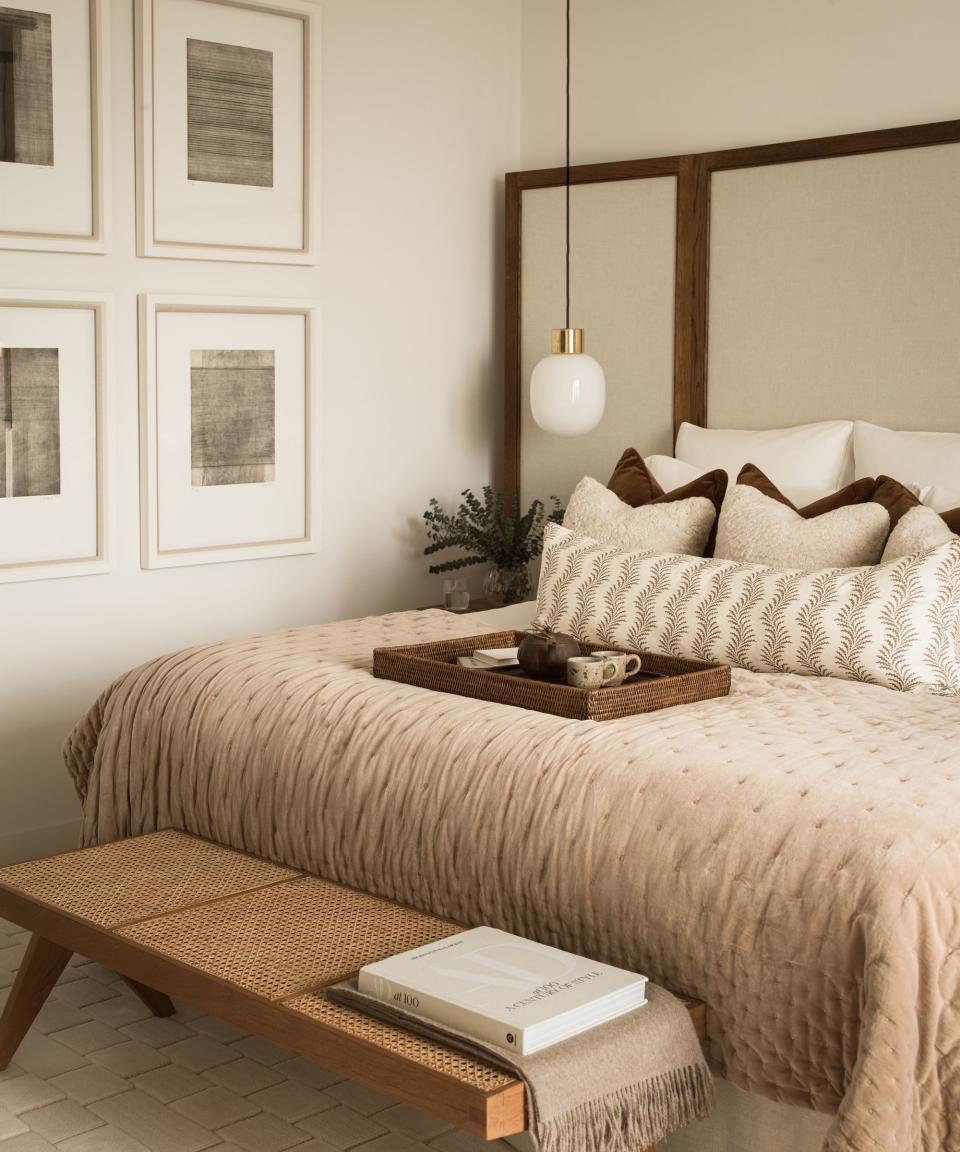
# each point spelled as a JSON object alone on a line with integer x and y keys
{"x": 490, "y": 530}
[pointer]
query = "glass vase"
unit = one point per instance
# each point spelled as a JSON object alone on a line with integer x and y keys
{"x": 507, "y": 585}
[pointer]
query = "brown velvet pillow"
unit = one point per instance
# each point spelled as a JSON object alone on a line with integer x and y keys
{"x": 898, "y": 500}
{"x": 636, "y": 485}
{"x": 859, "y": 492}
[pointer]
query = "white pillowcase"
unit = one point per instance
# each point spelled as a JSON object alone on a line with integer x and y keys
{"x": 754, "y": 529}
{"x": 678, "y": 526}
{"x": 895, "y": 625}
{"x": 670, "y": 473}
{"x": 930, "y": 460}
{"x": 806, "y": 462}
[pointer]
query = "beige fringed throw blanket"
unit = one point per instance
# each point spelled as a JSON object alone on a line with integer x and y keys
{"x": 617, "y": 1088}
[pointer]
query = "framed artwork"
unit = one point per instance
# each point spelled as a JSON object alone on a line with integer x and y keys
{"x": 54, "y": 125}
{"x": 228, "y": 121}
{"x": 228, "y": 429}
{"x": 54, "y": 374}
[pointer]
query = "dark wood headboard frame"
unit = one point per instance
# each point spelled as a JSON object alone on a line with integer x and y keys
{"x": 693, "y": 175}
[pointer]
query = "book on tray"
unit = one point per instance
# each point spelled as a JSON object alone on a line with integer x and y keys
{"x": 496, "y": 657}
{"x": 503, "y": 989}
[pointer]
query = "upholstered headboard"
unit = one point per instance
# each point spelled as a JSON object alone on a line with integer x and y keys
{"x": 750, "y": 288}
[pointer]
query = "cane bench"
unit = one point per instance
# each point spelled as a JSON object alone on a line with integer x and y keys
{"x": 255, "y": 943}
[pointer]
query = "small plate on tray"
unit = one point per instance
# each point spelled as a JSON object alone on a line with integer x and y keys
{"x": 662, "y": 682}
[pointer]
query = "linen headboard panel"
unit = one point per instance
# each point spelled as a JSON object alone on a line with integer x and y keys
{"x": 749, "y": 288}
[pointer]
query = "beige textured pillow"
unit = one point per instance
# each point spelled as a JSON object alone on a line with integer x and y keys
{"x": 754, "y": 529}
{"x": 676, "y": 526}
{"x": 916, "y": 531}
{"x": 895, "y": 625}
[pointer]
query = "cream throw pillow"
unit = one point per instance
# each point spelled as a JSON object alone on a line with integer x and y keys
{"x": 895, "y": 625}
{"x": 917, "y": 531}
{"x": 754, "y": 529}
{"x": 673, "y": 526}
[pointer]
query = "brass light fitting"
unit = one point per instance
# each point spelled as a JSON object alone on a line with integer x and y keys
{"x": 566, "y": 340}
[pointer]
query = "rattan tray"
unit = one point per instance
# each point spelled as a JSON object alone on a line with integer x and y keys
{"x": 663, "y": 682}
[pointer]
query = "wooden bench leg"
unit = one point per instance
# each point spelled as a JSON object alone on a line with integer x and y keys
{"x": 159, "y": 1003}
{"x": 40, "y": 969}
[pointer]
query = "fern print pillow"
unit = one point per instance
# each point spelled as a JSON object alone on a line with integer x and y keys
{"x": 896, "y": 624}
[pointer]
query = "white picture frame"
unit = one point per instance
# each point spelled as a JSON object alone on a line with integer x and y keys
{"x": 40, "y": 210}
{"x": 188, "y": 519}
{"x": 194, "y": 216}
{"x": 78, "y": 517}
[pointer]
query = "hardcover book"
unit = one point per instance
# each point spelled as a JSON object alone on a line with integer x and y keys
{"x": 496, "y": 657}
{"x": 503, "y": 989}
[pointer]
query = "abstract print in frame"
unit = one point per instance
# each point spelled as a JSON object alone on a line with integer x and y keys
{"x": 54, "y": 126}
{"x": 228, "y": 429}
{"x": 227, "y": 127}
{"x": 54, "y": 373}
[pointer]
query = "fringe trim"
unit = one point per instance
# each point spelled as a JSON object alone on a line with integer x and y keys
{"x": 632, "y": 1118}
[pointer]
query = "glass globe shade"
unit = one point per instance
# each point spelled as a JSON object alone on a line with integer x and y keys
{"x": 567, "y": 393}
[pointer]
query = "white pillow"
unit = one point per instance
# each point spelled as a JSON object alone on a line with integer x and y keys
{"x": 930, "y": 460}
{"x": 754, "y": 529}
{"x": 939, "y": 499}
{"x": 895, "y": 625}
{"x": 806, "y": 462}
{"x": 671, "y": 473}
{"x": 916, "y": 531}
{"x": 677, "y": 526}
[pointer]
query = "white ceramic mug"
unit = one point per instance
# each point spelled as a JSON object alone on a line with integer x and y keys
{"x": 628, "y": 664}
{"x": 590, "y": 672}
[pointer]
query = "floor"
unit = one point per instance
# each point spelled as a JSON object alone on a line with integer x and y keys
{"x": 98, "y": 1073}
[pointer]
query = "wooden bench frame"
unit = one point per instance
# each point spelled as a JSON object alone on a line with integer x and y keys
{"x": 155, "y": 978}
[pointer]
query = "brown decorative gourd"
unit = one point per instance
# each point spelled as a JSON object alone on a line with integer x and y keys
{"x": 544, "y": 654}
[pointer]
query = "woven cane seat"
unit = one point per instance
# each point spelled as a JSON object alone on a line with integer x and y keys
{"x": 417, "y": 1048}
{"x": 145, "y": 876}
{"x": 257, "y": 943}
{"x": 290, "y": 937}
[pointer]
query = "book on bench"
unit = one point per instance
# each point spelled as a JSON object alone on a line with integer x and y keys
{"x": 503, "y": 989}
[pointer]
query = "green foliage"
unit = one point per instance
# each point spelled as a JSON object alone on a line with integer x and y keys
{"x": 490, "y": 530}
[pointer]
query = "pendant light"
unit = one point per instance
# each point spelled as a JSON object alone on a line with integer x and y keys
{"x": 567, "y": 388}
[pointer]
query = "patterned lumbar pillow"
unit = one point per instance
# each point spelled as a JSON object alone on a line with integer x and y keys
{"x": 677, "y": 526}
{"x": 895, "y": 625}
{"x": 756, "y": 529}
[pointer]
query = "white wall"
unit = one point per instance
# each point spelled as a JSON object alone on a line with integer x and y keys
{"x": 423, "y": 109}
{"x": 420, "y": 120}
{"x": 657, "y": 77}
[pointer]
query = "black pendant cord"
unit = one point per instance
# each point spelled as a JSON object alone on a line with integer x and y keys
{"x": 568, "y": 170}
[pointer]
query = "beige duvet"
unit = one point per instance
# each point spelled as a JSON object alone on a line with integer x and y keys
{"x": 790, "y": 854}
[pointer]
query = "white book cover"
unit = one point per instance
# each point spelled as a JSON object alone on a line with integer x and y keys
{"x": 504, "y": 989}
{"x": 496, "y": 657}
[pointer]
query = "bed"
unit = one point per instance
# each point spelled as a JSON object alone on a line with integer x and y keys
{"x": 757, "y": 287}
{"x": 789, "y": 854}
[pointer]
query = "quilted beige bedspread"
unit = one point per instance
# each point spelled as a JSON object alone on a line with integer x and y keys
{"x": 790, "y": 854}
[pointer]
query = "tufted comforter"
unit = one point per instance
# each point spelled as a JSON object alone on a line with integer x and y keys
{"x": 791, "y": 854}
